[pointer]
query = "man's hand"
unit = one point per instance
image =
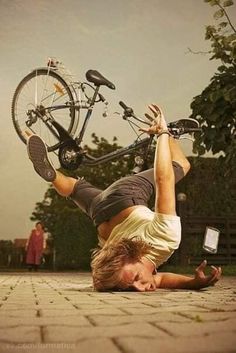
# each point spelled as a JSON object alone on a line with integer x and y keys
{"x": 158, "y": 120}
{"x": 201, "y": 280}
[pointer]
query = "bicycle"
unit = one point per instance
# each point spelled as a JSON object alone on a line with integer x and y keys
{"x": 48, "y": 101}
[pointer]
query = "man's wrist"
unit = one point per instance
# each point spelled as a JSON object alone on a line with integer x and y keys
{"x": 162, "y": 132}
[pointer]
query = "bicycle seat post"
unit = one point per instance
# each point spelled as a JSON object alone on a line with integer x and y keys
{"x": 79, "y": 139}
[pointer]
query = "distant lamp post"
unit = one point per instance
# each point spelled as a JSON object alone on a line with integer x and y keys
{"x": 183, "y": 251}
{"x": 54, "y": 255}
{"x": 181, "y": 198}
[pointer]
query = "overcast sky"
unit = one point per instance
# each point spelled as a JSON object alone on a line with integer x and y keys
{"x": 140, "y": 45}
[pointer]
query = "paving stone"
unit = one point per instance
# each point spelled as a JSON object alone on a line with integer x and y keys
{"x": 97, "y": 346}
{"x": 210, "y": 316}
{"x": 101, "y": 320}
{"x": 17, "y": 313}
{"x": 73, "y": 334}
{"x": 42, "y": 310}
{"x": 20, "y": 334}
{"x": 91, "y": 310}
{"x": 197, "y": 327}
{"x": 219, "y": 307}
{"x": 87, "y": 346}
{"x": 150, "y": 310}
{"x": 77, "y": 320}
{"x": 215, "y": 343}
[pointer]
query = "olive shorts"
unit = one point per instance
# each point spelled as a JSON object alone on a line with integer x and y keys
{"x": 102, "y": 205}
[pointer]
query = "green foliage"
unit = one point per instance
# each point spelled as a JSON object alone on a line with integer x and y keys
{"x": 210, "y": 191}
{"x": 104, "y": 174}
{"x": 6, "y": 248}
{"x": 215, "y": 107}
{"x": 74, "y": 237}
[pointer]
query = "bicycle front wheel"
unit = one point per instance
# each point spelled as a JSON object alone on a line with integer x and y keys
{"x": 40, "y": 99}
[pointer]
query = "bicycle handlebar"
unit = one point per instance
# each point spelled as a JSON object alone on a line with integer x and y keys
{"x": 173, "y": 127}
{"x": 127, "y": 110}
{"x": 178, "y": 131}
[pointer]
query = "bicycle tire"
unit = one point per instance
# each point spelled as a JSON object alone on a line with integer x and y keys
{"x": 52, "y": 90}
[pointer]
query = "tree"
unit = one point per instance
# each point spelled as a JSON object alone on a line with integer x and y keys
{"x": 6, "y": 249}
{"x": 207, "y": 192}
{"x": 215, "y": 107}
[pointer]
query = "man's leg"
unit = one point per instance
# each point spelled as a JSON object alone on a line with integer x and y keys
{"x": 79, "y": 190}
{"x": 37, "y": 152}
{"x": 180, "y": 164}
{"x": 178, "y": 156}
{"x": 63, "y": 184}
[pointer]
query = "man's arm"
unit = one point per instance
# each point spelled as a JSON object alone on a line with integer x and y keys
{"x": 200, "y": 280}
{"x": 163, "y": 169}
{"x": 164, "y": 177}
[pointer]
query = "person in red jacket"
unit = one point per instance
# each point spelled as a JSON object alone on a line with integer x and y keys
{"x": 35, "y": 246}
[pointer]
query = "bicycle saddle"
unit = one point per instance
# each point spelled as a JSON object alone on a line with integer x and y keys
{"x": 98, "y": 80}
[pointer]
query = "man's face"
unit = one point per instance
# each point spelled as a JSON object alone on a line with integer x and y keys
{"x": 138, "y": 276}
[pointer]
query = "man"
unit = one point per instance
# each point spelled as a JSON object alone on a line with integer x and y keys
{"x": 134, "y": 240}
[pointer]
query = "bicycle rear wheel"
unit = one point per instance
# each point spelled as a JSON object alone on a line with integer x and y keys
{"x": 42, "y": 97}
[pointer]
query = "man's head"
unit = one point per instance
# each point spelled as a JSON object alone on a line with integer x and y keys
{"x": 123, "y": 266}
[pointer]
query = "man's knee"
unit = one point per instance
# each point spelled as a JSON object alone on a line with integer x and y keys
{"x": 180, "y": 169}
{"x": 186, "y": 166}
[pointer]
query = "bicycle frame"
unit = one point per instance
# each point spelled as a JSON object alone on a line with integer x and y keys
{"x": 70, "y": 148}
{"x": 67, "y": 139}
{"x": 67, "y": 93}
{"x": 92, "y": 161}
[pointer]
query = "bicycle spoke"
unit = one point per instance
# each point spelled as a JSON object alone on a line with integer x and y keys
{"x": 36, "y": 91}
{"x": 37, "y": 114}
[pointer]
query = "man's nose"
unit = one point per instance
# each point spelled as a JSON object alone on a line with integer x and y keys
{"x": 139, "y": 286}
{"x": 143, "y": 287}
{"x": 148, "y": 287}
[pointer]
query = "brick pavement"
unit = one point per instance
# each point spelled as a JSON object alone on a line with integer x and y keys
{"x": 60, "y": 312}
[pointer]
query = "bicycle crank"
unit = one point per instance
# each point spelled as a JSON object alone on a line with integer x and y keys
{"x": 70, "y": 155}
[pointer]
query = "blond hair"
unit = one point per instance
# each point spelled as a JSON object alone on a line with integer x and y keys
{"x": 107, "y": 262}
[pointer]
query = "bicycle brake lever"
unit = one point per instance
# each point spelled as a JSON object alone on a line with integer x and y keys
{"x": 101, "y": 97}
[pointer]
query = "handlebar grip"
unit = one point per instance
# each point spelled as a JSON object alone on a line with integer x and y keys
{"x": 127, "y": 110}
{"x": 123, "y": 105}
